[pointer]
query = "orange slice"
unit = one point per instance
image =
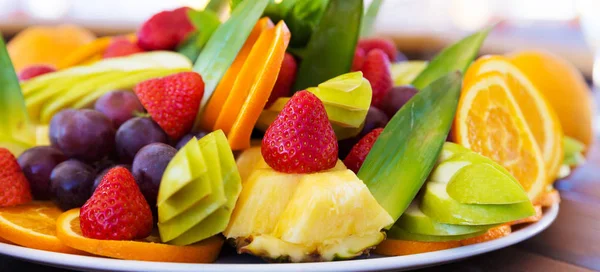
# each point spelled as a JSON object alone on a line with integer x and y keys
{"x": 564, "y": 87}
{"x": 33, "y": 225}
{"x": 150, "y": 249}
{"x": 491, "y": 234}
{"x": 537, "y": 111}
{"x": 532, "y": 219}
{"x": 402, "y": 247}
{"x": 548, "y": 199}
{"x": 489, "y": 121}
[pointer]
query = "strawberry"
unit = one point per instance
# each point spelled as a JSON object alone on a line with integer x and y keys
{"x": 165, "y": 30}
{"x": 376, "y": 69}
{"x": 285, "y": 79}
{"x": 120, "y": 46}
{"x": 172, "y": 101}
{"x": 301, "y": 139}
{"x": 359, "y": 152}
{"x": 385, "y": 45}
{"x": 35, "y": 70}
{"x": 359, "y": 59}
{"x": 117, "y": 210}
{"x": 14, "y": 187}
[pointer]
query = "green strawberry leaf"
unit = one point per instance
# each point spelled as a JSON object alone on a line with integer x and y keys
{"x": 369, "y": 18}
{"x": 409, "y": 146}
{"x": 457, "y": 56}
{"x": 16, "y": 130}
{"x": 330, "y": 51}
{"x": 224, "y": 45}
{"x": 206, "y": 22}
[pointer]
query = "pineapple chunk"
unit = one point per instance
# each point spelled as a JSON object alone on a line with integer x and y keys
{"x": 306, "y": 217}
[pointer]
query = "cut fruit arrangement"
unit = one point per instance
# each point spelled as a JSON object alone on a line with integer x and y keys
{"x": 293, "y": 136}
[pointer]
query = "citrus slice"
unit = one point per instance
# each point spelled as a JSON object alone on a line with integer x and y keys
{"x": 564, "y": 87}
{"x": 33, "y": 225}
{"x": 491, "y": 234}
{"x": 537, "y": 111}
{"x": 149, "y": 249}
{"x": 532, "y": 219}
{"x": 489, "y": 121}
{"x": 548, "y": 199}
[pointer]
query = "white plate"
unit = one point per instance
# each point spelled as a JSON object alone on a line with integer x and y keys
{"x": 232, "y": 262}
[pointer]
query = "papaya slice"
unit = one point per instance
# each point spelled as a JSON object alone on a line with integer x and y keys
{"x": 215, "y": 104}
{"x": 253, "y": 86}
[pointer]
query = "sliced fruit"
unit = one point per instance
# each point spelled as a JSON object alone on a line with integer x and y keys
{"x": 33, "y": 225}
{"x": 253, "y": 86}
{"x": 409, "y": 146}
{"x": 399, "y": 233}
{"x": 198, "y": 191}
{"x": 342, "y": 219}
{"x": 247, "y": 161}
{"x": 47, "y": 44}
{"x": 489, "y": 121}
{"x": 85, "y": 53}
{"x": 564, "y": 88}
{"x": 437, "y": 204}
{"x": 534, "y": 218}
{"x": 537, "y": 111}
{"x": 548, "y": 199}
{"x": 214, "y": 106}
{"x": 573, "y": 150}
{"x": 492, "y": 234}
{"x": 149, "y": 249}
{"x": 405, "y": 72}
{"x": 393, "y": 247}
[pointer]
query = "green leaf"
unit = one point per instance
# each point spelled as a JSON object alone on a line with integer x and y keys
{"x": 216, "y": 6}
{"x": 235, "y": 3}
{"x": 331, "y": 48}
{"x": 369, "y": 18}
{"x": 410, "y": 144}
{"x": 16, "y": 131}
{"x": 206, "y": 22}
{"x": 224, "y": 45}
{"x": 457, "y": 56}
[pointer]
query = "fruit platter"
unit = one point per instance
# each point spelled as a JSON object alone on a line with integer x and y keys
{"x": 278, "y": 135}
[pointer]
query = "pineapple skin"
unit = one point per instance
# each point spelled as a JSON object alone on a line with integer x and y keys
{"x": 305, "y": 218}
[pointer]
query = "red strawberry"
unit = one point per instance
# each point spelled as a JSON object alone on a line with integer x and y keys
{"x": 376, "y": 69}
{"x": 117, "y": 210}
{"x": 14, "y": 187}
{"x": 301, "y": 139}
{"x": 359, "y": 59}
{"x": 359, "y": 152}
{"x": 386, "y": 45}
{"x": 165, "y": 30}
{"x": 35, "y": 70}
{"x": 120, "y": 46}
{"x": 172, "y": 101}
{"x": 285, "y": 79}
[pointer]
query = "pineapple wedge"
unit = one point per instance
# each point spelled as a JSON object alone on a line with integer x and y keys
{"x": 306, "y": 217}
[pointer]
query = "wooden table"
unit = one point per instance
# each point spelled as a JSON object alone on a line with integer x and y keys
{"x": 571, "y": 243}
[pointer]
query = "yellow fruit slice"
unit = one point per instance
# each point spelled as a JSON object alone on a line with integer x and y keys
{"x": 565, "y": 89}
{"x": 33, "y": 225}
{"x": 149, "y": 249}
{"x": 489, "y": 121}
{"x": 537, "y": 111}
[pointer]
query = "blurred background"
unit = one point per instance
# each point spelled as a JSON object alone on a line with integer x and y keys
{"x": 570, "y": 28}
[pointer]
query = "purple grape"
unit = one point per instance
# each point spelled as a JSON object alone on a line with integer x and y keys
{"x": 103, "y": 172}
{"x": 186, "y": 138}
{"x": 135, "y": 134}
{"x": 375, "y": 119}
{"x": 396, "y": 98}
{"x": 86, "y": 135}
{"x": 71, "y": 183}
{"x": 148, "y": 167}
{"x": 119, "y": 106}
{"x": 37, "y": 164}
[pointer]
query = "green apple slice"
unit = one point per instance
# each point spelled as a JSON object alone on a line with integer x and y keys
{"x": 405, "y": 72}
{"x": 437, "y": 204}
{"x": 398, "y": 233}
{"x": 450, "y": 149}
{"x": 232, "y": 184}
{"x": 179, "y": 172}
{"x": 350, "y": 91}
{"x": 415, "y": 221}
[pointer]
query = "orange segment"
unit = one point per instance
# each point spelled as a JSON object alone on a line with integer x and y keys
{"x": 218, "y": 98}
{"x": 150, "y": 249}
{"x": 46, "y": 44}
{"x": 538, "y": 113}
{"x": 490, "y": 122}
{"x": 565, "y": 89}
{"x": 33, "y": 225}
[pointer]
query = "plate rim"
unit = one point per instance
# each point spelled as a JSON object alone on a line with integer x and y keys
{"x": 414, "y": 261}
